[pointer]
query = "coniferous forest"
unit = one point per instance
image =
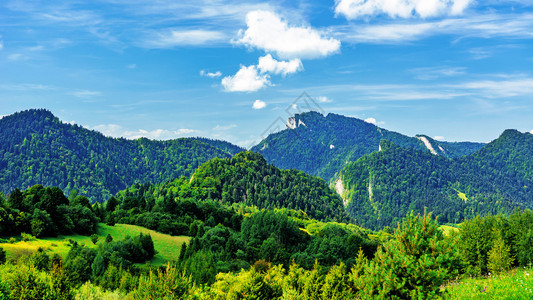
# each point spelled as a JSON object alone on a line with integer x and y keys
{"x": 204, "y": 219}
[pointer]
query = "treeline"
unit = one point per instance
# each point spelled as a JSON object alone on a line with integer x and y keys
{"x": 383, "y": 186}
{"x": 37, "y": 148}
{"x": 45, "y": 211}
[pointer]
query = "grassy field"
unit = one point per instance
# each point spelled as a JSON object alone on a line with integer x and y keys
{"x": 516, "y": 284}
{"x": 168, "y": 247}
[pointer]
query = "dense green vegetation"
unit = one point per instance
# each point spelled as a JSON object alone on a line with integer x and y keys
{"x": 383, "y": 186}
{"x": 218, "y": 189}
{"x": 44, "y": 211}
{"x": 37, "y": 148}
{"x": 416, "y": 262}
{"x": 322, "y": 146}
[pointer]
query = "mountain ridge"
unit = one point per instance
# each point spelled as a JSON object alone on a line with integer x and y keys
{"x": 325, "y": 144}
{"x": 37, "y": 148}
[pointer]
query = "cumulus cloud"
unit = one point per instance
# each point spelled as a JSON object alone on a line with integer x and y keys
{"x": 258, "y": 104}
{"x": 269, "y": 32}
{"x": 247, "y": 79}
{"x": 438, "y": 138}
{"x": 271, "y": 65}
{"x": 255, "y": 77}
{"x": 115, "y": 130}
{"x": 210, "y": 74}
{"x": 354, "y": 9}
{"x": 371, "y": 121}
{"x": 531, "y": 131}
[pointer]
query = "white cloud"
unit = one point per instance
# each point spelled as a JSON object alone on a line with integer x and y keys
{"x": 1, "y": 44}
{"x": 176, "y": 38}
{"x": 258, "y": 104}
{"x": 270, "y": 65}
{"x": 480, "y": 26}
{"x": 247, "y": 79}
{"x": 16, "y": 57}
{"x": 85, "y": 94}
{"x": 132, "y": 66}
{"x": 371, "y": 121}
{"x": 531, "y": 131}
{"x": 267, "y": 31}
{"x": 354, "y": 9}
{"x": 115, "y": 130}
{"x": 224, "y": 127}
{"x": 438, "y": 138}
{"x": 323, "y": 99}
{"x": 437, "y": 72}
{"x": 499, "y": 88}
{"x": 210, "y": 74}
{"x": 255, "y": 77}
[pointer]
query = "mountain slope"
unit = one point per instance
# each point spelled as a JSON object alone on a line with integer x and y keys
{"x": 247, "y": 179}
{"x": 322, "y": 145}
{"x": 37, "y": 148}
{"x": 382, "y": 187}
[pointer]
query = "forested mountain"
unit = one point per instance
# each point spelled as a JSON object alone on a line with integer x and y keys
{"x": 223, "y": 145}
{"x": 322, "y": 145}
{"x": 37, "y": 148}
{"x": 246, "y": 180}
{"x": 382, "y": 187}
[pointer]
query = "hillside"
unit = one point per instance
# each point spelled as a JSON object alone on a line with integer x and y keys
{"x": 322, "y": 145}
{"x": 37, "y": 148}
{"x": 245, "y": 179}
{"x": 382, "y": 187}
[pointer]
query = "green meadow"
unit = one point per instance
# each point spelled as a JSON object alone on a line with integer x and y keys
{"x": 515, "y": 284}
{"x": 167, "y": 246}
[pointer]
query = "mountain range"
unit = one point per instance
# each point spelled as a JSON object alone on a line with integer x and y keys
{"x": 380, "y": 174}
{"x": 322, "y": 145}
{"x": 37, "y": 148}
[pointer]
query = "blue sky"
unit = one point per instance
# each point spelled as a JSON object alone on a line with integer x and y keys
{"x": 452, "y": 69}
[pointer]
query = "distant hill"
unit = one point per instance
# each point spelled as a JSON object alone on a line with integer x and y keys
{"x": 222, "y": 145}
{"x": 382, "y": 187}
{"x": 246, "y": 179}
{"x": 37, "y": 148}
{"x": 323, "y": 145}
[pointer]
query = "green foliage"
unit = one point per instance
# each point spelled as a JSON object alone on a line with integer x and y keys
{"x": 37, "y": 148}
{"x": 163, "y": 284}
{"x": 412, "y": 265}
{"x": 307, "y": 147}
{"x": 45, "y": 211}
{"x": 382, "y": 187}
{"x": 499, "y": 257}
{"x": 94, "y": 238}
{"x": 2, "y": 256}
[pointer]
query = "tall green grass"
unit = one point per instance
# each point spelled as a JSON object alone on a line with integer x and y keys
{"x": 516, "y": 284}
